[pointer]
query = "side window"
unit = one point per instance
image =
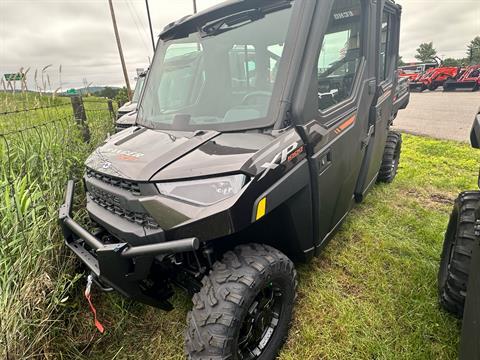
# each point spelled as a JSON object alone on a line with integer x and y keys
{"x": 243, "y": 66}
{"x": 340, "y": 54}
{"x": 385, "y": 46}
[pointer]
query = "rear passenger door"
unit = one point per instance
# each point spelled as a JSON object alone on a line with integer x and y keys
{"x": 381, "y": 111}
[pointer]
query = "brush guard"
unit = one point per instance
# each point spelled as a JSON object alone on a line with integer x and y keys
{"x": 119, "y": 266}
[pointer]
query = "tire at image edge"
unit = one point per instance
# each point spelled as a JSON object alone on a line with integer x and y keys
{"x": 460, "y": 239}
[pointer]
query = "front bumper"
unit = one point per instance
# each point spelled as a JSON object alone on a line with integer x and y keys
{"x": 120, "y": 266}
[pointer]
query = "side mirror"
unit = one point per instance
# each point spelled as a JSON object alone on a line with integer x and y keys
{"x": 475, "y": 133}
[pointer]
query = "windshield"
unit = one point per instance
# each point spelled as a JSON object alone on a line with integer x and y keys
{"x": 220, "y": 78}
{"x": 138, "y": 89}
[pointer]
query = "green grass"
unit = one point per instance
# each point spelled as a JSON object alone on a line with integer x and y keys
{"x": 370, "y": 295}
{"x": 39, "y": 151}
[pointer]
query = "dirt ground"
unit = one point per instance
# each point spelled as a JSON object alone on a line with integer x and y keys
{"x": 440, "y": 115}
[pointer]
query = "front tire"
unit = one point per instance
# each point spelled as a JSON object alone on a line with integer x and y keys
{"x": 244, "y": 308}
{"x": 391, "y": 158}
{"x": 460, "y": 240}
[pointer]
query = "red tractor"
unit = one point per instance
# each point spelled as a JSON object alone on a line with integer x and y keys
{"x": 434, "y": 78}
{"x": 468, "y": 79}
{"x": 415, "y": 70}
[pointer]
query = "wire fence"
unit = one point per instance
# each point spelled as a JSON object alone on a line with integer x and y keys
{"x": 40, "y": 149}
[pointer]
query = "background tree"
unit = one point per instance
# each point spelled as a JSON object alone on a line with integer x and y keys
{"x": 400, "y": 61}
{"x": 122, "y": 96}
{"x": 109, "y": 92}
{"x": 473, "y": 51}
{"x": 426, "y": 52}
{"x": 452, "y": 62}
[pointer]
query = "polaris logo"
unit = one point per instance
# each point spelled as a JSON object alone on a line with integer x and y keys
{"x": 343, "y": 15}
{"x": 124, "y": 152}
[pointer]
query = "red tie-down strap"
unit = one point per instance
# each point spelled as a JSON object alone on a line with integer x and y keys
{"x": 88, "y": 296}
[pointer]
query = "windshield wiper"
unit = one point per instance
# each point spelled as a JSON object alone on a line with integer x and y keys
{"x": 239, "y": 19}
{"x": 231, "y": 22}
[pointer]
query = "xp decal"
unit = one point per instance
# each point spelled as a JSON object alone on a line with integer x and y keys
{"x": 289, "y": 153}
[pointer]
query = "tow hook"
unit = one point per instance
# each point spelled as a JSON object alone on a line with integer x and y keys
{"x": 88, "y": 296}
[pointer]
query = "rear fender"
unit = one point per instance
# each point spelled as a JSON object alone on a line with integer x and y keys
{"x": 475, "y": 133}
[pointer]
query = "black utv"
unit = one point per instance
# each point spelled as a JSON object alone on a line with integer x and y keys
{"x": 459, "y": 275}
{"x": 260, "y": 125}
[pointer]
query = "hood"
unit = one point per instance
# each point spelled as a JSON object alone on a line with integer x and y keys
{"x": 139, "y": 153}
{"x": 142, "y": 154}
{"x": 128, "y": 119}
{"x": 128, "y": 107}
{"x": 223, "y": 154}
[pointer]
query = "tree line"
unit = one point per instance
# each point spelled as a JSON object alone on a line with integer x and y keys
{"x": 426, "y": 52}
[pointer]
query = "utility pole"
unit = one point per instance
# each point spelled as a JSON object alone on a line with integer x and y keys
{"x": 150, "y": 24}
{"x": 194, "y": 6}
{"x": 120, "y": 51}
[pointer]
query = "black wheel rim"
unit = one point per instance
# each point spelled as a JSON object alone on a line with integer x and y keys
{"x": 260, "y": 322}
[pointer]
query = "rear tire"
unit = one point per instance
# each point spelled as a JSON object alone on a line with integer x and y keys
{"x": 432, "y": 86}
{"x": 391, "y": 157}
{"x": 447, "y": 87}
{"x": 460, "y": 240}
{"x": 244, "y": 307}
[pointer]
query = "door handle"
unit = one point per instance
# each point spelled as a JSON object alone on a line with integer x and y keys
{"x": 366, "y": 141}
{"x": 324, "y": 161}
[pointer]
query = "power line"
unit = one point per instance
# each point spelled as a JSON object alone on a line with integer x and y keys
{"x": 139, "y": 18}
{"x": 142, "y": 38}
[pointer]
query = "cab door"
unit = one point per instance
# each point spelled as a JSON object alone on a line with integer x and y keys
{"x": 333, "y": 105}
{"x": 387, "y": 34}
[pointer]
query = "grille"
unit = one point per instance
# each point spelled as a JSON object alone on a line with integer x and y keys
{"x": 112, "y": 203}
{"x": 128, "y": 185}
{"x": 109, "y": 203}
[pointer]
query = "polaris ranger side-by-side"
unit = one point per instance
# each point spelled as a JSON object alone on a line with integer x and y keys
{"x": 261, "y": 123}
{"x": 137, "y": 92}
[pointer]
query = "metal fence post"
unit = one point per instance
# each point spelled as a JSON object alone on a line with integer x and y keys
{"x": 80, "y": 116}
{"x": 110, "y": 109}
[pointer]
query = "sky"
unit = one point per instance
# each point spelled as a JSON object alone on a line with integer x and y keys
{"x": 77, "y": 35}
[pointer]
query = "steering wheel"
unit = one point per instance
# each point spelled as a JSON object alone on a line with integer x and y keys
{"x": 247, "y": 100}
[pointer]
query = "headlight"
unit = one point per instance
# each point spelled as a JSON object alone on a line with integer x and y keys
{"x": 205, "y": 191}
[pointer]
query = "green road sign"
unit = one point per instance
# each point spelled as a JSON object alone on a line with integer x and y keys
{"x": 72, "y": 92}
{"x": 14, "y": 77}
